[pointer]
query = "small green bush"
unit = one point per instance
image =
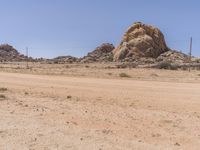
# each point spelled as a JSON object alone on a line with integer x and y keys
{"x": 184, "y": 68}
{"x": 124, "y": 75}
{"x": 174, "y": 67}
{"x": 164, "y": 65}
{"x": 167, "y": 65}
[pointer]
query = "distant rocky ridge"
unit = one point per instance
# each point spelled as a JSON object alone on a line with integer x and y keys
{"x": 8, "y": 53}
{"x": 102, "y": 53}
{"x": 63, "y": 59}
{"x": 141, "y": 44}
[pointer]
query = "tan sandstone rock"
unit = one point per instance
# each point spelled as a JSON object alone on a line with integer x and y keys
{"x": 103, "y": 53}
{"x": 141, "y": 41}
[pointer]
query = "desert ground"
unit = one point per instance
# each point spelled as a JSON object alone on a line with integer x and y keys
{"x": 93, "y": 107}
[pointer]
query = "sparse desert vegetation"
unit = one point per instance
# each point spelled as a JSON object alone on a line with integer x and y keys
{"x": 167, "y": 65}
{"x": 2, "y": 97}
{"x": 147, "y": 109}
{"x": 124, "y": 75}
{"x": 138, "y": 95}
{"x": 2, "y": 89}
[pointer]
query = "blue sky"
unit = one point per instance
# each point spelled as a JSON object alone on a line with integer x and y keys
{"x": 74, "y": 27}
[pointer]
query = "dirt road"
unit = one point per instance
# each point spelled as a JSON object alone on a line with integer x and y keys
{"x": 54, "y": 112}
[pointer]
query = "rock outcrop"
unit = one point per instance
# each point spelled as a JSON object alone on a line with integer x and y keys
{"x": 8, "y": 53}
{"x": 142, "y": 45}
{"x": 173, "y": 57}
{"x": 102, "y": 53}
{"x": 141, "y": 41}
{"x": 64, "y": 59}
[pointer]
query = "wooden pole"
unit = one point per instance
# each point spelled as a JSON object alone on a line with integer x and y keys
{"x": 27, "y": 58}
{"x": 190, "y": 57}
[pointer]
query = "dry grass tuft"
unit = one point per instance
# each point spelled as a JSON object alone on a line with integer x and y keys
{"x": 69, "y": 97}
{"x": 124, "y": 75}
{"x": 154, "y": 75}
{"x": 2, "y": 97}
{"x": 3, "y": 89}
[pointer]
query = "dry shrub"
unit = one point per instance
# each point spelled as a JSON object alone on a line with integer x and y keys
{"x": 167, "y": 65}
{"x": 69, "y": 97}
{"x": 126, "y": 65}
{"x": 3, "y": 89}
{"x": 109, "y": 73}
{"x": 124, "y": 75}
{"x": 2, "y": 97}
{"x": 154, "y": 75}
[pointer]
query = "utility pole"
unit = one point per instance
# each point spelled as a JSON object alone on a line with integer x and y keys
{"x": 27, "y": 58}
{"x": 190, "y": 54}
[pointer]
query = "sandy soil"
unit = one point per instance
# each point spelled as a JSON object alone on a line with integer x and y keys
{"x": 104, "y": 70}
{"x": 48, "y": 112}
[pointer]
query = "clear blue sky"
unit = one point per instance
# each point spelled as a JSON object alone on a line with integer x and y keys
{"x": 74, "y": 27}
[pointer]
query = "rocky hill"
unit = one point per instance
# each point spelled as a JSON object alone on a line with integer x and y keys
{"x": 63, "y": 59}
{"x": 141, "y": 44}
{"x": 141, "y": 40}
{"x": 8, "y": 53}
{"x": 102, "y": 53}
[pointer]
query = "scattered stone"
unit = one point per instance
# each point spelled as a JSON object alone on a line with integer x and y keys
{"x": 177, "y": 144}
{"x": 26, "y": 93}
{"x": 69, "y": 97}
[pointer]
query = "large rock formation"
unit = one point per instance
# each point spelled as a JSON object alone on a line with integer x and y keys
{"x": 8, "y": 53}
{"x": 141, "y": 41}
{"x": 102, "y": 53}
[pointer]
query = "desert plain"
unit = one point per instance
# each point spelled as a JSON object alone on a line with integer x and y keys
{"x": 95, "y": 107}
